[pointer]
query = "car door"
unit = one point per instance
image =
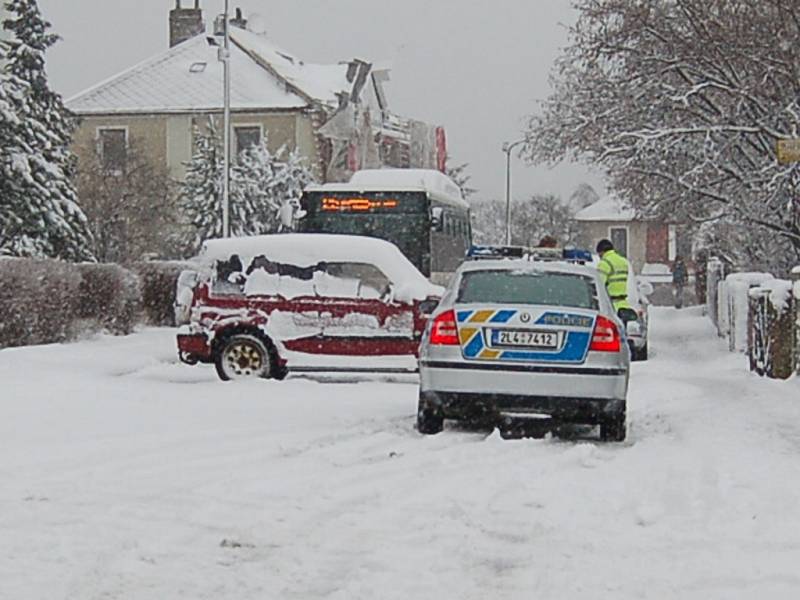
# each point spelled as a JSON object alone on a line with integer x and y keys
{"x": 358, "y": 314}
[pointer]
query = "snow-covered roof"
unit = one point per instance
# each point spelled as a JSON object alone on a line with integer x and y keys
{"x": 309, "y": 249}
{"x": 397, "y": 180}
{"x": 609, "y": 208}
{"x": 322, "y": 83}
{"x": 188, "y": 77}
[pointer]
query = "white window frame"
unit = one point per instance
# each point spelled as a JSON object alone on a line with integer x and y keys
{"x": 235, "y": 140}
{"x": 99, "y": 142}
{"x": 672, "y": 242}
{"x": 627, "y": 237}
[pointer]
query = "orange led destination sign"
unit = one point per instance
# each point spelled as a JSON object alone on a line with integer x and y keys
{"x": 356, "y": 204}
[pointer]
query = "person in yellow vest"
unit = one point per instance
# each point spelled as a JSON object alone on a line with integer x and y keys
{"x": 613, "y": 270}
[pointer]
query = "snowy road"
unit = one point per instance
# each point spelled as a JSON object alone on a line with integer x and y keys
{"x": 126, "y": 475}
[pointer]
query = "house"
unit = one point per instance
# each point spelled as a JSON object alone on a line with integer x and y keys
{"x": 650, "y": 245}
{"x": 336, "y": 115}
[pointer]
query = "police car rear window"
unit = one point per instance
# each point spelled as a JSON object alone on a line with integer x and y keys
{"x": 527, "y": 287}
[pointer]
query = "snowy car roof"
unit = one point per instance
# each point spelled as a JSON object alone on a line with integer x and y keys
{"x": 309, "y": 249}
{"x": 433, "y": 183}
{"x": 552, "y": 266}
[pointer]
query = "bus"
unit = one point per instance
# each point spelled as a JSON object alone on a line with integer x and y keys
{"x": 420, "y": 211}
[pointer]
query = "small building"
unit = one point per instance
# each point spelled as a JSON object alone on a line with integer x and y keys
{"x": 336, "y": 115}
{"x": 650, "y": 245}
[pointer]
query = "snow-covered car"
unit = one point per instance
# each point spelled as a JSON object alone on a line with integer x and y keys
{"x": 521, "y": 339}
{"x": 257, "y": 300}
{"x": 638, "y": 292}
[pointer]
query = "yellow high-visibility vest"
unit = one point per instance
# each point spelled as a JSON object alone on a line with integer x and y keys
{"x": 613, "y": 270}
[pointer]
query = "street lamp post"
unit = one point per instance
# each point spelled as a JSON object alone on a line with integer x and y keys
{"x": 508, "y": 148}
{"x": 225, "y": 56}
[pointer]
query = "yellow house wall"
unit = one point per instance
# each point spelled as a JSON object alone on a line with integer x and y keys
{"x": 168, "y": 139}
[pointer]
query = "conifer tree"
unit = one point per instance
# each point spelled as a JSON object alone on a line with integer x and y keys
{"x": 39, "y": 212}
{"x": 262, "y": 183}
{"x": 201, "y": 191}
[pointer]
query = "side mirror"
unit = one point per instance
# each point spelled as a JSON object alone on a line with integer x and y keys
{"x": 428, "y": 306}
{"x": 437, "y": 218}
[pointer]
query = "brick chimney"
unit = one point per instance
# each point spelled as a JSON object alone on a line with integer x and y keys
{"x": 185, "y": 23}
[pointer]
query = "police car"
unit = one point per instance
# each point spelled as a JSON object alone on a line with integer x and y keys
{"x": 524, "y": 335}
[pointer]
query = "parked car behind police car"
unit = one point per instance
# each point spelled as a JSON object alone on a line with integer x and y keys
{"x": 525, "y": 339}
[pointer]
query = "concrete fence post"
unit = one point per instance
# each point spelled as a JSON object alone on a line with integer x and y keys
{"x": 795, "y": 277}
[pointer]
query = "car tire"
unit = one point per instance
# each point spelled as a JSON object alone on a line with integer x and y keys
{"x": 613, "y": 428}
{"x": 244, "y": 356}
{"x": 429, "y": 421}
{"x": 639, "y": 354}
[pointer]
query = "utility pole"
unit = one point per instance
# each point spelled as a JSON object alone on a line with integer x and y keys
{"x": 225, "y": 57}
{"x": 508, "y": 148}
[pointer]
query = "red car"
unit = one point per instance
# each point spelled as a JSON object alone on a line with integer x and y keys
{"x": 257, "y": 303}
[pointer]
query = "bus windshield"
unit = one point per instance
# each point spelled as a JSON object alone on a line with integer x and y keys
{"x": 402, "y": 218}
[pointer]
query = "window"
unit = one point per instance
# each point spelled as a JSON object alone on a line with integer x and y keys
{"x": 247, "y": 137}
{"x": 619, "y": 237}
{"x": 527, "y": 287}
{"x": 113, "y": 148}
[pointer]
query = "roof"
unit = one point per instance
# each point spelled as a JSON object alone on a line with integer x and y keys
{"x": 322, "y": 83}
{"x": 553, "y": 266}
{"x": 308, "y": 249}
{"x": 430, "y": 181}
{"x": 188, "y": 77}
{"x": 609, "y": 208}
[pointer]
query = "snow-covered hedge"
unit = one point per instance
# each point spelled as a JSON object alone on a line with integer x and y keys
{"x": 39, "y": 301}
{"x": 158, "y": 281}
{"x": 49, "y": 301}
{"x": 109, "y": 298}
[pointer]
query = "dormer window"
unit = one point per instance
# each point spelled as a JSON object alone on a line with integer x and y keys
{"x": 198, "y": 67}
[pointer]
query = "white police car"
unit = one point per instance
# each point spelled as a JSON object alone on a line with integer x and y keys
{"x": 517, "y": 337}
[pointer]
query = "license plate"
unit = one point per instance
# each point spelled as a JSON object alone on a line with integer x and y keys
{"x": 524, "y": 338}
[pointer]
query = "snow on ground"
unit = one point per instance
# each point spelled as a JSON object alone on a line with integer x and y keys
{"x": 126, "y": 475}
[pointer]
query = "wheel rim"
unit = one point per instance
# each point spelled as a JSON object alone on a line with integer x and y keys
{"x": 243, "y": 359}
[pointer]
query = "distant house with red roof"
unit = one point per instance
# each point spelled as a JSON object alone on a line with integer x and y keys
{"x": 336, "y": 115}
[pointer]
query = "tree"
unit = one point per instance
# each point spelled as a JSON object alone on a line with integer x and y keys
{"x": 682, "y": 102}
{"x": 531, "y": 220}
{"x": 261, "y": 183}
{"x": 39, "y": 213}
{"x": 131, "y": 211}
{"x": 459, "y": 176}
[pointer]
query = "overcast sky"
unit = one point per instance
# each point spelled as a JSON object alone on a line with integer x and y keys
{"x": 476, "y": 66}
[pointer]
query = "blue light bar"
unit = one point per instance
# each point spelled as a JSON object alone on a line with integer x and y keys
{"x": 490, "y": 252}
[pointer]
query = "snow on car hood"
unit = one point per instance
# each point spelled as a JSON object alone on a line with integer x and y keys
{"x": 309, "y": 249}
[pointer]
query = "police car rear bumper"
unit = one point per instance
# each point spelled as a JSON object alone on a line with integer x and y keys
{"x": 491, "y": 407}
{"x": 599, "y": 381}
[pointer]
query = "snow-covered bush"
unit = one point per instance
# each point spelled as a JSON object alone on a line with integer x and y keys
{"x": 39, "y": 301}
{"x": 109, "y": 298}
{"x": 158, "y": 282}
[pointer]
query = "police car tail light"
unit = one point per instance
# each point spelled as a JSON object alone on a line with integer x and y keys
{"x": 444, "y": 331}
{"x": 606, "y": 336}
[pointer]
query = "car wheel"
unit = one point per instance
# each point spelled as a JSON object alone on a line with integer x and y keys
{"x": 639, "y": 354}
{"x": 429, "y": 421}
{"x": 613, "y": 428}
{"x": 243, "y": 356}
